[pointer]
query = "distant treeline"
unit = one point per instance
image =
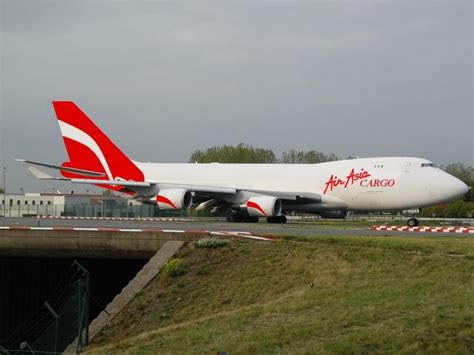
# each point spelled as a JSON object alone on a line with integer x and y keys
{"x": 456, "y": 209}
{"x": 244, "y": 153}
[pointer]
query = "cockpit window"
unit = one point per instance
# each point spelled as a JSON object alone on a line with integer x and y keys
{"x": 425, "y": 165}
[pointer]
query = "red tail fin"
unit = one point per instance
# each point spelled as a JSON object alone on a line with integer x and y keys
{"x": 89, "y": 148}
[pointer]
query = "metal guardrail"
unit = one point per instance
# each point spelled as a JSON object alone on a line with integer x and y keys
{"x": 147, "y": 211}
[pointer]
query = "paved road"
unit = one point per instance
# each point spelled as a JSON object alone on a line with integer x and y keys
{"x": 254, "y": 228}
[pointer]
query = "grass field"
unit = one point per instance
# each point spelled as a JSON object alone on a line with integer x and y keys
{"x": 318, "y": 294}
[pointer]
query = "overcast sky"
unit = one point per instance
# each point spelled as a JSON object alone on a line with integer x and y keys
{"x": 162, "y": 79}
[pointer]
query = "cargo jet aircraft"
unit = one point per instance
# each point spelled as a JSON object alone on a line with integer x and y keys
{"x": 249, "y": 191}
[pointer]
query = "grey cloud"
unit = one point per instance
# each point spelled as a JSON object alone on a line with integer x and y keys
{"x": 165, "y": 78}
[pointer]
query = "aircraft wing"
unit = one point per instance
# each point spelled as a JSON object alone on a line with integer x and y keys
{"x": 212, "y": 191}
{"x": 303, "y": 197}
{"x": 148, "y": 188}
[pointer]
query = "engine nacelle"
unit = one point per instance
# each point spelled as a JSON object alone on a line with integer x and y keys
{"x": 174, "y": 199}
{"x": 263, "y": 206}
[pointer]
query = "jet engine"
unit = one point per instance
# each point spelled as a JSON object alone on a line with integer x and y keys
{"x": 174, "y": 199}
{"x": 263, "y": 206}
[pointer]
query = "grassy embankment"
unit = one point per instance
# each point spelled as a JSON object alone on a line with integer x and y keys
{"x": 307, "y": 295}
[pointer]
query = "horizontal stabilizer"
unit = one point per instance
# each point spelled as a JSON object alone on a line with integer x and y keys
{"x": 39, "y": 174}
{"x": 63, "y": 168}
{"x": 43, "y": 176}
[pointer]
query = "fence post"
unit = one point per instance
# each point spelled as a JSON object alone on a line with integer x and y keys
{"x": 56, "y": 317}
{"x": 84, "y": 316}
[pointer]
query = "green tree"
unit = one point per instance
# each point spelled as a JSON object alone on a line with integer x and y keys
{"x": 306, "y": 157}
{"x": 241, "y": 153}
{"x": 1, "y": 190}
{"x": 455, "y": 209}
{"x": 244, "y": 153}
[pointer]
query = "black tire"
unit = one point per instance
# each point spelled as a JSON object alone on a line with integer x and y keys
{"x": 238, "y": 218}
{"x": 413, "y": 222}
{"x": 234, "y": 218}
{"x": 277, "y": 219}
{"x": 251, "y": 219}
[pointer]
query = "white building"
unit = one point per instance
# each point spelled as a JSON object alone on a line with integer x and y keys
{"x": 31, "y": 204}
{"x": 50, "y": 204}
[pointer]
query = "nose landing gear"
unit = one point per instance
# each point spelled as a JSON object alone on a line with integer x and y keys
{"x": 413, "y": 222}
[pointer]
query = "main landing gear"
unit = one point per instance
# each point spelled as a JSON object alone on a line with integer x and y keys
{"x": 413, "y": 222}
{"x": 235, "y": 217}
{"x": 277, "y": 219}
{"x": 238, "y": 218}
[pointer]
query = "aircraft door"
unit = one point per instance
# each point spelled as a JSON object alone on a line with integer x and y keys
{"x": 407, "y": 168}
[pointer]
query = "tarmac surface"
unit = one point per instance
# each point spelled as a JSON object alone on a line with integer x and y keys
{"x": 261, "y": 228}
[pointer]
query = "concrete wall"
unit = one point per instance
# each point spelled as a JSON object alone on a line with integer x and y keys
{"x": 84, "y": 244}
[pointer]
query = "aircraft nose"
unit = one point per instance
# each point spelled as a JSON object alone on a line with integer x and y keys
{"x": 463, "y": 188}
{"x": 453, "y": 187}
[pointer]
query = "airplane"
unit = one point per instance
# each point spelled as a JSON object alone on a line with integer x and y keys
{"x": 248, "y": 192}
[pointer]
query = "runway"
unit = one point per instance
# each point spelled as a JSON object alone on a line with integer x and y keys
{"x": 262, "y": 228}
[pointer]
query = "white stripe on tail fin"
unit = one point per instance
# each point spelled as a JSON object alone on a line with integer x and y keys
{"x": 79, "y": 136}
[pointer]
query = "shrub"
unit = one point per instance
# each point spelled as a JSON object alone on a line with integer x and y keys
{"x": 211, "y": 242}
{"x": 455, "y": 209}
{"x": 174, "y": 268}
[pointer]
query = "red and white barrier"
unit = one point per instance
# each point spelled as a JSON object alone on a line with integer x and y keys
{"x": 460, "y": 230}
{"x": 234, "y": 234}
{"x": 141, "y": 219}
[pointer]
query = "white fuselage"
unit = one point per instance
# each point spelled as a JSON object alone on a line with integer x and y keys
{"x": 358, "y": 184}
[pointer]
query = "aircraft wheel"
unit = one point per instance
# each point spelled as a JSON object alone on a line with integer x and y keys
{"x": 413, "y": 222}
{"x": 277, "y": 219}
{"x": 251, "y": 219}
{"x": 234, "y": 217}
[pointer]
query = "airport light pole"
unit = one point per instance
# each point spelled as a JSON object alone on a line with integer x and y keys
{"x": 4, "y": 191}
{"x": 56, "y": 319}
